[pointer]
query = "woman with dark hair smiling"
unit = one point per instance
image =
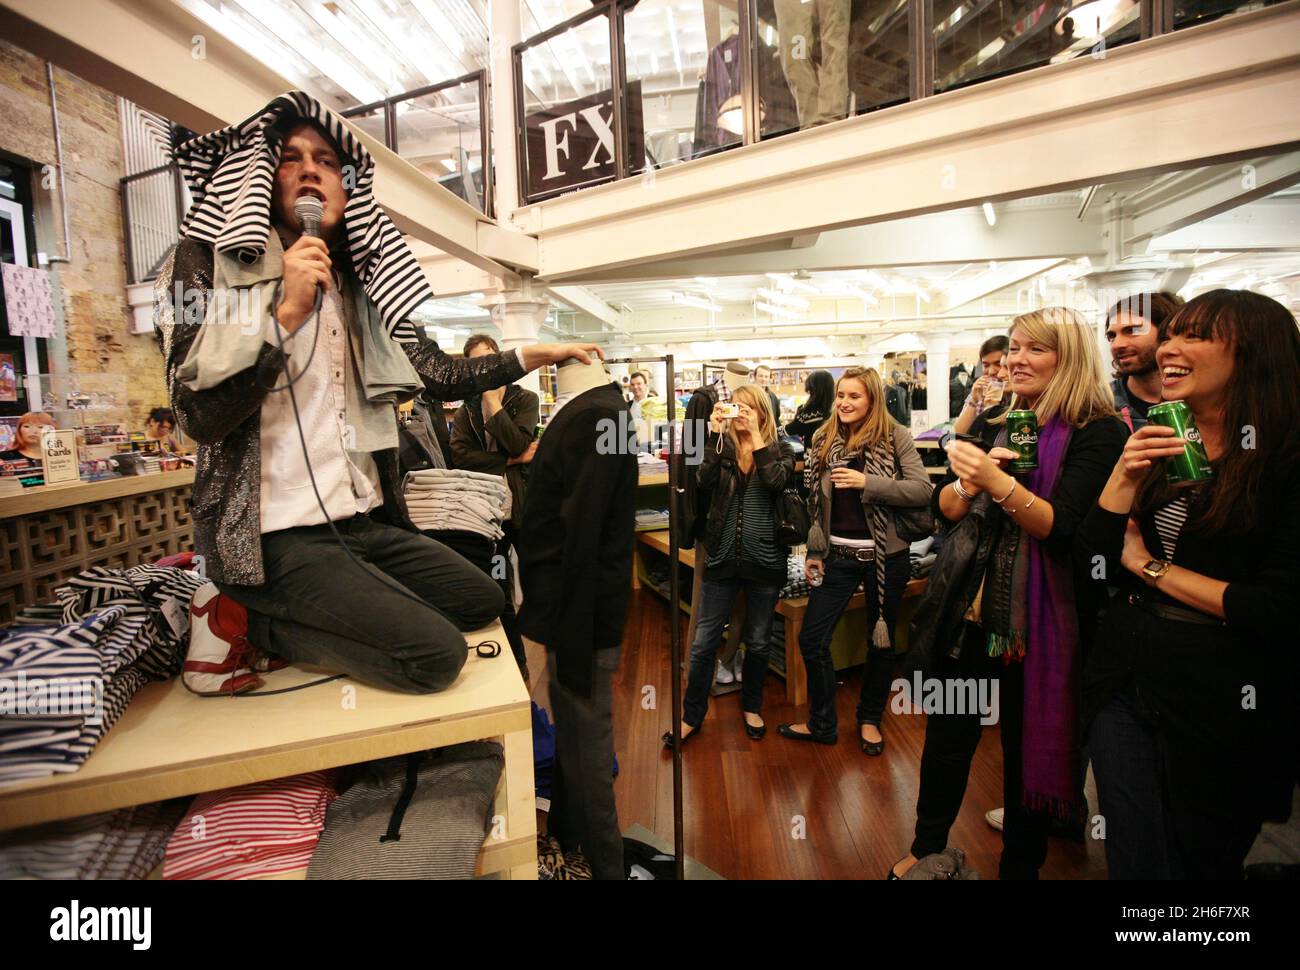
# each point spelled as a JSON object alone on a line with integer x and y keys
{"x": 812, "y": 414}
{"x": 1190, "y": 694}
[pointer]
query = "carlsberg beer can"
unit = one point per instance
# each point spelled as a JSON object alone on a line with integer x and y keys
{"x": 1022, "y": 433}
{"x": 1193, "y": 465}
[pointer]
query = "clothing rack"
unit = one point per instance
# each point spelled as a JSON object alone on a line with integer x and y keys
{"x": 674, "y": 597}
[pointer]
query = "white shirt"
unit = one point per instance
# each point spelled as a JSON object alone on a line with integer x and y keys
{"x": 348, "y": 480}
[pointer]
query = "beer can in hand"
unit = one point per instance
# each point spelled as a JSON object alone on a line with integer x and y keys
{"x": 1193, "y": 465}
{"x": 1022, "y": 434}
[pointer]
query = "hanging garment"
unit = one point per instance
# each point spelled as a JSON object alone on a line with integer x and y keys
{"x": 420, "y": 816}
{"x": 111, "y": 632}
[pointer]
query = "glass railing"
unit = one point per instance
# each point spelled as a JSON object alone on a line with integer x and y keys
{"x": 441, "y": 130}
{"x": 1189, "y": 12}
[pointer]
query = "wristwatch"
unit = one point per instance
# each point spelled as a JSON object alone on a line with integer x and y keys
{"x": 1155, "y": 569}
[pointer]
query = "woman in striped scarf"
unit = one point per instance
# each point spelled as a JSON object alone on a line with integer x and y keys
{"x": 861, "y": 465}
{"x": 747, "y": 468}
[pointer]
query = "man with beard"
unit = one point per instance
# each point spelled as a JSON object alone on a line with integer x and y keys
{"x": 1133, "y": 331}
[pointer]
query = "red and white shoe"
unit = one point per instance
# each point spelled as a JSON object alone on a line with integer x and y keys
{"x": 220, "y": 659}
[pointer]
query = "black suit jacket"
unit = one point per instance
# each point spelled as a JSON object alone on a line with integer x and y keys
{"x": 575, "y": 546}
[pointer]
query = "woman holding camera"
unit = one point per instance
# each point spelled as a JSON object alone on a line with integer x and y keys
{"x": 1191, "y": 691}
{"x": 1006, "y": 608}
{"x": 862, "y": 464}
{"x": 746, "y": 468}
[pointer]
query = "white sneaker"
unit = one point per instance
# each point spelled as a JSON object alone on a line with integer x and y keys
{"x": 994, "y": 817}
{"x": 220, "y": 660}
{"x": 722, "y": 673}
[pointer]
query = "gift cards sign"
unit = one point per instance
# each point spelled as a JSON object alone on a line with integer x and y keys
{"x": 572, "y": 144}
{"x": 59, "y": 456}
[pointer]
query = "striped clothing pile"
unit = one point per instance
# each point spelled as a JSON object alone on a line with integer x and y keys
{"x": 109, "y": 633}
{"x": 264, "y": 829}
{"x": 447, "y": 499}
{"x": 126, "y": 844}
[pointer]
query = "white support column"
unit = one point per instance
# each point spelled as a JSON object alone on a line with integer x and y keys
{"x": 519, "y": 314}
{"x": 937, "y": 361}
{"x": 504, "y": 32}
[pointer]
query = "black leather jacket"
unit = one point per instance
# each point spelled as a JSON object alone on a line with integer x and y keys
{"x": 225, "y": 420}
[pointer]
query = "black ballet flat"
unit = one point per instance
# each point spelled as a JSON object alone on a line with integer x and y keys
{"x": 785, "y": 731}
{"x": 668, "y": 738}
{"x": 755, "y": 733}
{"x": 871, "y": 748}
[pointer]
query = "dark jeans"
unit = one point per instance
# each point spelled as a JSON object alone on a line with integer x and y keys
{"x": 319, "y": 607}
{"x": 950, "y": 742}
{"x": 1146, "y": 837}
{"x": 713, "y": 610}
{"x": 481, "y": 551}
{"x": 826, "y": 604}
{"x": 582, "y": 812}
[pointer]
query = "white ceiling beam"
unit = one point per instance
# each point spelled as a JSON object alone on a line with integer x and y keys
{"x": 1225, "y": 188}
{"x": 994, "y": 280}
{"x": 144, "y": 50}
{"x": 1059, "y": 127}
{"x": 1269, "y": 224}
{"x": 581, "y": 299}
{"x": 957, "y": 237}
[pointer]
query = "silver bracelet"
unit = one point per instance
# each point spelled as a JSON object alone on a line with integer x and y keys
{"x": 999, "y": 501}
{"x": 962, "y": 494}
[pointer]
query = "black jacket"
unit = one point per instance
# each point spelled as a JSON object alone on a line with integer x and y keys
{"x": 720, "y": 475}
{"x": 575, "y": 546}
{"x": 965, "y": 554}
{"x": 1225, "y": 696}
{"x": 225, "y": 420}
{"x": 692, "y": 500}
{"x": 514, "y": 428}
{"x": 805, "y": 424}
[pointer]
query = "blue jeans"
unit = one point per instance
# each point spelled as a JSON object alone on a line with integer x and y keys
{"x": 716, "y": 597}
{"x": 826, "y": 603}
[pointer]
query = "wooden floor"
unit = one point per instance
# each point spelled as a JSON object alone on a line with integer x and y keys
{"x": 748, "y": 802}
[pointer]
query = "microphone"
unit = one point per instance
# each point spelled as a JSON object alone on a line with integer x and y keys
{"x": 309, "y": 210}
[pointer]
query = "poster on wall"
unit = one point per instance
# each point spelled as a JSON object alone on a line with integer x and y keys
{"x": 9, "y": 433}
{"x": 59, "y": 456}
{"x": 8, "y": 379}
{"x": 29, "y": 301}
{"x": 572, "y": 144}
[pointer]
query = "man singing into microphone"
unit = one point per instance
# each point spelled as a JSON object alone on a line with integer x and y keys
{"x": 281, "y": 471}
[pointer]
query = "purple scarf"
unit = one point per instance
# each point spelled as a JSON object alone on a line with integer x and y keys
{"x": 1050, "y": 649}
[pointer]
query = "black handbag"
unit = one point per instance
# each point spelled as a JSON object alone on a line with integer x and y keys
{"x": 792, "y": 518}
{"x": 913, "y": 524}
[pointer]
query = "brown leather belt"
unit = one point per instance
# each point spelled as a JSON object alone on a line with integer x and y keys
{"x": 1175, "y": 613}
{"x": 848, "y": 552}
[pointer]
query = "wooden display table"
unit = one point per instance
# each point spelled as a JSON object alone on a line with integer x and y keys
{"x": 52, "y": 532}
{"x": 170, "y": 743}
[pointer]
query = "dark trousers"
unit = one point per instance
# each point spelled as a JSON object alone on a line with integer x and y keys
{"x": 484, "y": 553}
{"x": 826, "y": 604}
{"x": 713, "y": 608}
{"x": 582, "y": 797}
{"x": 950, "y": 742}
{"x": 1146, "y": 836}
{"x": 319, "y": 607}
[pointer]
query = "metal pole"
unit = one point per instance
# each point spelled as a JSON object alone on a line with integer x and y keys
{"x": 675, "y": 629}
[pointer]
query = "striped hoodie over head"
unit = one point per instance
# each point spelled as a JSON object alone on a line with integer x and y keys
{"x": 230, "y": 174}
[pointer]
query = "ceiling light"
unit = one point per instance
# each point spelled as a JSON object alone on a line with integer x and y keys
{"x": 989, "y": 216}
{"x": 685, "y": 299}
{"x": 783, "y": 299}
{"x": 448, "y": 163}
{"x": 776, "y": 311}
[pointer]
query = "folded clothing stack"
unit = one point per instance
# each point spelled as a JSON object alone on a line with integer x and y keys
{"x": 795, "y": 583}
{"x": 264, "y": 829}
{"x": 126, "y": 844}
{"x": 77, "y": 663}
{"x": 651, "y": 519}
{"x": 922, "y": 557}
{"x": 648, "y": 464}
{"x": 451, "y": 499}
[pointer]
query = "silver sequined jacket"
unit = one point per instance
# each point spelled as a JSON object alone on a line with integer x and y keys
{"x": 225, "y": 420}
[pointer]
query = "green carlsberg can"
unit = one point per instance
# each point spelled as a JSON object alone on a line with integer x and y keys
{"x": 1022, "y": 433}
{"x": 1193, "y": 465}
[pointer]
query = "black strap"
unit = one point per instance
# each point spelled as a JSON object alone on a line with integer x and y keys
{"x": 394, "y": 833}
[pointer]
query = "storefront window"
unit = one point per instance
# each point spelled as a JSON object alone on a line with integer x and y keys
{"x": 371, "y": 121}
{"x": 683, "y": 79}
{"x": 568, "y": 114}
{"x": 1190, "y": 12}
{"x": 441, "y": 134}
{"x": 978, "y": 39}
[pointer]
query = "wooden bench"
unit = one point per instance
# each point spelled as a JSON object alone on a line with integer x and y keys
{"x": 792, "y": 610}
{"x": 169, "y": 743}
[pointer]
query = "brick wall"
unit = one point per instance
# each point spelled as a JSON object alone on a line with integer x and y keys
{"x": 93, "y": 284}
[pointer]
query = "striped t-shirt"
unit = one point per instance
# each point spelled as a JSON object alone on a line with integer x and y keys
{"x": 748, "y": 536}
{"x": 1169, "y": 522}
